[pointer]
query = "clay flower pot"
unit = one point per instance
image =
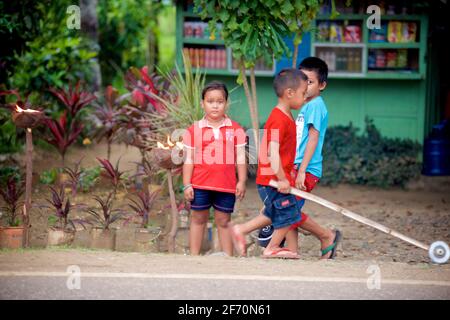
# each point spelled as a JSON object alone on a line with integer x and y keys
{"x": 11, "y": 237}
{"x": 57, "y": 237}
{"x": 103, "y": 239}
{"x": 147, "y": 239}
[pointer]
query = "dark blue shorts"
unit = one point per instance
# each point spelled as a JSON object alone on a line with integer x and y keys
{"x": 221, "y": 201}
{"x": 283, "y": 209}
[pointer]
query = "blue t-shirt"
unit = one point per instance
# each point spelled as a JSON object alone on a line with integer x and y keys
{"x": 313, "y": 113}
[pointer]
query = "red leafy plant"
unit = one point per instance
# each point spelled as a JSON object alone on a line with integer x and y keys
{"x": 66, "y": 129}
{"x": 143, "y": 205}
{"x": 109, "y": 115}
{"x": 11, "y": 195}
{"x": 105, "y": 214}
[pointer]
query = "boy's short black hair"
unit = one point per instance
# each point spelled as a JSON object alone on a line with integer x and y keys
{"x": 288, "y": 78}
{"x": 317, "y": 65}
{"x": 215, "y": 85}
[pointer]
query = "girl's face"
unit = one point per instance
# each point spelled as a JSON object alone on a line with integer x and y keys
{"x": 214, "y": 104}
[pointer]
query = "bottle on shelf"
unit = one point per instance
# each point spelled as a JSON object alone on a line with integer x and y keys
{"x": 332, "y": 58}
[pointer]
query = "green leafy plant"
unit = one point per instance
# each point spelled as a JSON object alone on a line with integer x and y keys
{"x": 182, "y": 102}
{"x": 52, "y": 54}
{"x": 7, "y": 172}
{"x": 368, "y": 159}
{"x": 48, "y": 176}
{"x": 89, "y": 178}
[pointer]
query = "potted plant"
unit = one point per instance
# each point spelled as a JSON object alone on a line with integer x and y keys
{"x": 102, "y": 236}
{"x": 11, "y": 235}
{"x": 146, "y": 237}
{"x": 62, "y": 230}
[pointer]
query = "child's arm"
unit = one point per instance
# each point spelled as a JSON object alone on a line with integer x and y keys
{"x": 188, "y": 168}
{"x": 313, "y": 139}
{"x": 275, "y": 164}
{"x": 241, "y": 171}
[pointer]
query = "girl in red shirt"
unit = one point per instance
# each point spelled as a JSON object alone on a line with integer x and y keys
{"x": 214, "y": 150}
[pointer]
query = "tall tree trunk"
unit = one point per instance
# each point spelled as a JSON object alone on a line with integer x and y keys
{"x": 152, "y": 50}
{"x": 251, "y": 105}
{"x": 295, "y": 57}
{"x": 89, "y": 26}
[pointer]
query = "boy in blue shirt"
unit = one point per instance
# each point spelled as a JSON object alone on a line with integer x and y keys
{"x": 311, "y": 125}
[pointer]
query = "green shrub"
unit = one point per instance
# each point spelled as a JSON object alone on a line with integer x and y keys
{"x": 48, "y": 176}
{"x": 6, "y": 172}
{"x": 368, "y": 159}
{"x": 9, "y": 141}
{"x": 89, "y": 178}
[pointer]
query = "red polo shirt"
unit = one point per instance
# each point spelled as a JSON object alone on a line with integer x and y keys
{"x": 214, "y": 154}
{"x": 279, "y": 128}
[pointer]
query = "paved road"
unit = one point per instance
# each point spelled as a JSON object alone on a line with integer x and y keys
{"x": 41, "y": 285}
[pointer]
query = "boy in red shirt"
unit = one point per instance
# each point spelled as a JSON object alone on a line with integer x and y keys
{"x": 326, "y": 236}
{"x": 276, "y": 161}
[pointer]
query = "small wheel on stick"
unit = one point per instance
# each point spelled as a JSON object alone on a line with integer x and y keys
{"x": 439, "y": 252}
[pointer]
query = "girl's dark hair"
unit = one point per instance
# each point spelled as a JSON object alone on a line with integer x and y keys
{"x": 215, "y": 85}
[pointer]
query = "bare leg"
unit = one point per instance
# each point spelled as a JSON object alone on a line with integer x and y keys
{"x": 277, "y": 236}
{"x": 222, "y": 219}
{"x": 197, "y": 230}
{"x": 325, "y": 235}
{"x": 258, "y": 222}
{"x": 292, "y": 240}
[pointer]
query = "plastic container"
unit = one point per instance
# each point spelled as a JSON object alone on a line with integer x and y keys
{"x": 436, "y": 151}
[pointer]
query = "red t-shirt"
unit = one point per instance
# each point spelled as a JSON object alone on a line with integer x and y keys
{"x": 279, "y": 128}
{"x": 214, "y": 154}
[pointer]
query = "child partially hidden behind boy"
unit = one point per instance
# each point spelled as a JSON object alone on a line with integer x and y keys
{"x": 291, "y": 155}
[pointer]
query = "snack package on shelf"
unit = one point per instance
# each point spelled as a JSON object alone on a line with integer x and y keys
{"x": 372, "y": 60}
{"x": 336, "y": 34}
{"x": 324, "y": 31}
{"x": 394, "y": 31}
{"x": 352, "y": 34}
{"x": 409, "y": 33}
{"x": 402, "y": 58}
{"x": 391, "y": 59}
{"x": 379, "y": 35}
{"x": 187, "y": 27}
{"x": 380, "y": 61}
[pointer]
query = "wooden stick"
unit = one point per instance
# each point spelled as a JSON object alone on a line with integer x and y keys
{"x": 28, "y": 187}
{"x": 173, "y": 205}
{"x": 352, "y": 215}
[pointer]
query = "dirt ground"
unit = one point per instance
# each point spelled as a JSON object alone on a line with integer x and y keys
{"x": 422, "y": 211}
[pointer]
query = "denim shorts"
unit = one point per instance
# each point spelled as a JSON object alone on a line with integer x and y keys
{"x": 221, "y": 201}
{"x": 283, "y": 209}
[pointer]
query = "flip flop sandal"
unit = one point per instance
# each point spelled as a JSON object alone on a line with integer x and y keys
{"x": 333, "y": 246}
{"x": 281, "y": 253}
{"x": 239, "y": 241}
